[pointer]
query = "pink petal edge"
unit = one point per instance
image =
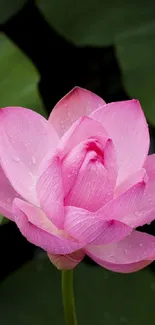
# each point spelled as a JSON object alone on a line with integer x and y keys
{"x": 83, "y": 129}
{"x": 125, "y": 204}
{"x": 120, "y": 268}
{"x": 130, "y": 254}
{"x": 78, "y": 102}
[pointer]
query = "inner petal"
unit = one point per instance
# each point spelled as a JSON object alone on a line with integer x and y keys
{"x": 95, "y": 179}
{"x": 89, "y": 189}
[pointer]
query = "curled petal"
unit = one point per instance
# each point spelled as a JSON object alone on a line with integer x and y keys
{"x": 126, "y": 125}
{"x": 71, "y": 165}
{"x": 7, "y": 195}
{"x": 95, "y": 182}
{"x": 83, "y": 129}
{"x": 67, "y": 262}
{"x": 90, "y": 228}
{"x": 78, "y": 102}
{"x": 125, "y": 204}
{"x": 38, "y": 230}
{"x": 145, "y": 212}
{"x": 35, "y": 216}
{"x": 25, "y": 139}
{"x": 131, "y": 254}
{"x": 131, "y": 181}
{"x": 50, "y": 189}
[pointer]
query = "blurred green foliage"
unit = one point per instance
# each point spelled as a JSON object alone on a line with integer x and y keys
{"x": 18, "y": 78}
{"x": 1, "y": 219}
{"x": 32, "y": 295}
{"x": 96, "y": 22}
{"x": 136, "y": 53}
{"x": 129, "y": 25}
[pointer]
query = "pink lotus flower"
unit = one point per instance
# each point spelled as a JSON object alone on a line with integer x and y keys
{"x": 81, "y": 182}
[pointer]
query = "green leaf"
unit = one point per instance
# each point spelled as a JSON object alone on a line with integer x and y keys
{"x": 18, "y": 78}
{"x": 127, "y": 24}
{"x": 136, "y": 54}
{"x": 95, "y": 22}
{"x": 9, "y": 8}
{"x": 32, "y": 296}
{"x": 1, "y": 219}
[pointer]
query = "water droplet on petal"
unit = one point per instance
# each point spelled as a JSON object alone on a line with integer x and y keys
{"x": 111, "y": 255}
{"x": 33, "y": 160}
{"x": 138, "y": 214}
{"x": 16, "y": 158}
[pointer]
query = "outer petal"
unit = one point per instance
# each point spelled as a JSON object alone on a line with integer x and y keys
{"x": 90, "y": 228}
{"x": 67, "y": 262}
{"x": 125, "y": 204}
{"x": 95, "y": 182}
{"x": 36, "y": 227}
{"x": 126, "y": 125}
{"x": 78, "y": 102}
{"x": 7, "y": 195}
{"x": 145, "y": 212}
{"x": 120, "y": 268}
{"x": 131, "y": 254}
{"x": 50, "y": 189}
{"x": 25, "y": 139}
{"x": 35, "y": 216}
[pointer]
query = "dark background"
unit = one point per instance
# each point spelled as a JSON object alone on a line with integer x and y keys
{"x": 39, "y": 64}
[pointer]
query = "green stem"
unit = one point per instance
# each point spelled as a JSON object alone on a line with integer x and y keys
{"x": 68, "y": 297}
